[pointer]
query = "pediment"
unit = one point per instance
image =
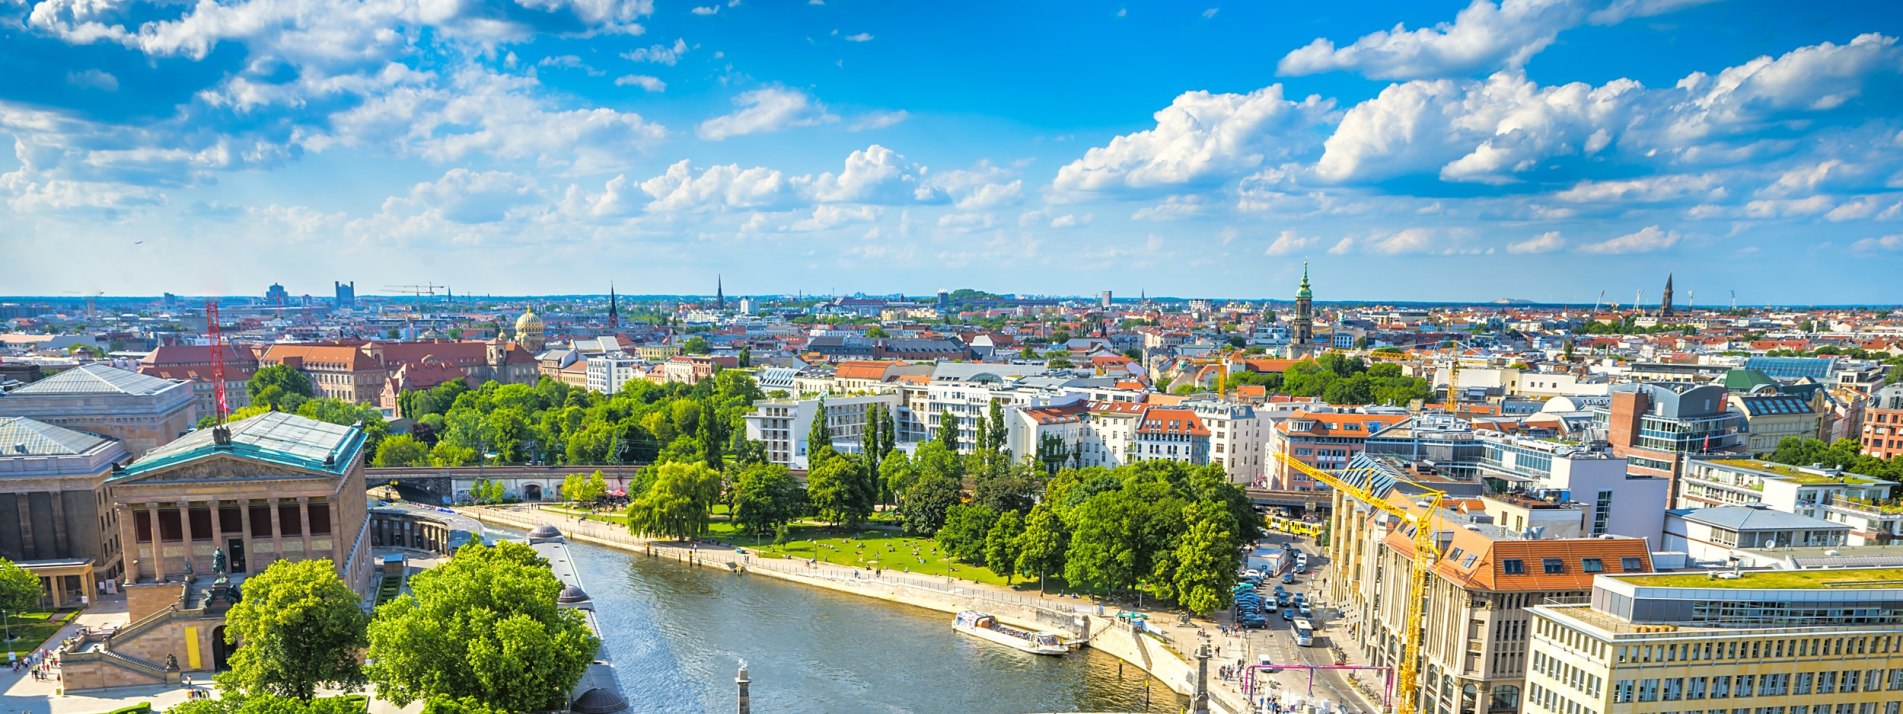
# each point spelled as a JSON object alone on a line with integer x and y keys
{"x": 222, "y": 468}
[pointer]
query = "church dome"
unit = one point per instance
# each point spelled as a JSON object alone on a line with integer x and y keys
{"x": 528, "y": 321}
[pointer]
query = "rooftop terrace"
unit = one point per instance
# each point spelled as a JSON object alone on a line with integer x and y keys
{"x": 1776, "y": 579}
{"x": 1793, "y": 473}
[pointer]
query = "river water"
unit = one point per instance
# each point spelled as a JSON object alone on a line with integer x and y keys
{"x": 676, "y": 634}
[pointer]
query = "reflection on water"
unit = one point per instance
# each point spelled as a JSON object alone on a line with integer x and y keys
{"x": 677, "y": 634}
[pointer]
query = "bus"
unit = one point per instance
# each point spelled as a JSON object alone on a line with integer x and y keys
{"x": 1304, "y": 633}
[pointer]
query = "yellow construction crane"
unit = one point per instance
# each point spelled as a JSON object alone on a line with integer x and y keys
{"x": 1367, "y": 490}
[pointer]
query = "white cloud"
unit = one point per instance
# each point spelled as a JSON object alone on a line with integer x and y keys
{"x": 1883, "y": 208}
{"x": 860, "y": 37}
{"x": 878, "y": 120}
{"x": 1072, "y": 220}
{"x": 1649, "y": 239}
{"x": 1342, "y": 247}
{"x": 1288, "y": 243}
{"x": 1547, "y": 242}
{"x": 644, "y": 81}
{"x": 669, "y": 55}
{"x": 1652, "y": 189}
{"x": 717, "y": 187}
{"x": 1211, "y": 13}
{"x": 706, "y": 9}
{"x": 1814, "y": 78}
{"x": 1779, "y": 208}
{"x": 833, "y": 216}
{"x": 1483, "y": 37}
{"x": 874, "y": 174}
{"x": 766, "y": 110}
{"x": 94, "y": 79}
{"x": 1889, "y": 242}
{"x": 991, "y": 195}
{"x": 1199, "y": 137}
{"x": 463, "y": 197}
{"x": 1173, "y": 208}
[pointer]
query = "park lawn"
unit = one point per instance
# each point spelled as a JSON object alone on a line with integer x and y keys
{"x": 31, "y": 630}
{"x": 860, "y": 548}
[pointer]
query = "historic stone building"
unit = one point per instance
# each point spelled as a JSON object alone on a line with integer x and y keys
{"x": 141, "y": 412}
{"x": 272, "y": 487}
{"x": 54, "y": 516}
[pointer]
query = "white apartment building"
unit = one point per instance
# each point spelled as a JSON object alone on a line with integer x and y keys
{"x": 782, "y": 424}
{"x": 607, "y": 373}
{"x": 1836, "y": 496}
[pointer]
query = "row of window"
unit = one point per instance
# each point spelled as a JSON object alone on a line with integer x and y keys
{"x": 1756, "y": 650}
{"x": 1557, "y": 566}
{"x": 1674, "y": 689}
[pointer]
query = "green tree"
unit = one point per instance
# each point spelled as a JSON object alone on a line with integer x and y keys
{"x": 1000, "y": 431}
{"x": 301, "y": 628}
{"x": 966, "y": 526}
{"x": 484, "y": 625}
{"x": 1205, "y": 561}
{"x": 745, "y": 358}
{"x": 19, "y": 589}
{"x": 1103, "y": 544}
{"x": 278, "y": 387}
{"x": 836, "y": 491}
{"x": 695, "y": 345}
{"x": 767, "y": 496}
{"x": 1002, "y": 544}
{"x": 948, "y": 430}
{"x": 401, "y": 450}
{"x": 448, "y": 454}
{"x": 876, "y": 332}
{"x": 896, "y": 473}
{"x": 923, "y": 504}
{"x": 678, "y": 503}
{"x": 1042, "y": 546}
{"x": 819, "y": 437}
{"x": 708, "y": 430}
{"x": 579, "y": 488}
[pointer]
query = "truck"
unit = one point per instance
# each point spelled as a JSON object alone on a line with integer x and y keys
{"x": 1271, "y": 561}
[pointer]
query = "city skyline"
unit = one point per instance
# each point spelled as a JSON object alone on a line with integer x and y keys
{"x": 1467, "y": 153}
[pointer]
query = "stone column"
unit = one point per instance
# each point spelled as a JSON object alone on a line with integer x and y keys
{"x": 185, "y": 529}
{"x": 746, "y": 701}
{"x": 338, "y": 543}
{"x": 61, "y": 544}
{"x": 304, "y": 525}
{"x": 244, "y": 523}
{"x": 128, "y": 542}
{"x": 158, "y": 543}
{"x": 218, "y": 530}
{"x": 26, "y": 528}
{"x": 277, "y": 533}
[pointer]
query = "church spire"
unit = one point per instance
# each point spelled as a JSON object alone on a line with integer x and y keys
{"x": 614, "y": 313}
{"x": 720, "y": 294}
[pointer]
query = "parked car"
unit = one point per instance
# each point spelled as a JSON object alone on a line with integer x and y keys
{"x": 1288, "y": 578}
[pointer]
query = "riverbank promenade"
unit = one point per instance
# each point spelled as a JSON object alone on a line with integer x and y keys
{"x": 1164, "y": 652}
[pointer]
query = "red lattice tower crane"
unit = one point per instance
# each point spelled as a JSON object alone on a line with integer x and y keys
{"x": 217, "y": 361}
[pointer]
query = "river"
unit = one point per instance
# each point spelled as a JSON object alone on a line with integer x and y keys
{"x": 677, "y": 633}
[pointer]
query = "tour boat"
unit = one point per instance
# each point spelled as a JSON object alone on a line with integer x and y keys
{"x": 987, "y": 626}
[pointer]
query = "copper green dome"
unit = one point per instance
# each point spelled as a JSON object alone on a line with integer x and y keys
{"x": 1303, "y": 292}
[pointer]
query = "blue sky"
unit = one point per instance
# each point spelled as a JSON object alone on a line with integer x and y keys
{"x": 1544, "y": 149}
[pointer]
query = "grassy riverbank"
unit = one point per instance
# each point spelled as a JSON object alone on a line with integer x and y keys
{"x": 882, "y": 545}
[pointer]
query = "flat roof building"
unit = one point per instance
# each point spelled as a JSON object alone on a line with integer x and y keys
{"x": 141, "y": 411}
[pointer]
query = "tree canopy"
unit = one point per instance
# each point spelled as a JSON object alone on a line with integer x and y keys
{"x": 679, "y": 502}
{"x": 301, "y": 627}
{"x": 484, "y": 625}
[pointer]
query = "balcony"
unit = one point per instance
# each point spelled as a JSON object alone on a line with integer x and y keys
{"x": 1892, "y": 510}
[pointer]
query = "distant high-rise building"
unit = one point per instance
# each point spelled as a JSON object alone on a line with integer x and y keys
{"x": 1304, "y": 322}
{"x": 1665, "y": 303}
{"x": 614, "y": 312}
{"x": 277, "y": 295}
{"x": 346, "y": 293}
{"x": 1106, "y": 300}
{"x": 944, "y": 301}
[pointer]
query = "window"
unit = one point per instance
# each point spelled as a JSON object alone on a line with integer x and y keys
{"x": 1513, "y": 566}
{"x": 1631, "y": 564}
{"x": 1592, "y": 565}
{"x": 1552, "y": 566}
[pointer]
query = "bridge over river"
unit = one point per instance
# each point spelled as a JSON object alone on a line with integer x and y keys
{"x": 444, "y": 485}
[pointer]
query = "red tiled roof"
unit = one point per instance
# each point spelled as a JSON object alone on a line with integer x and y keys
{"x": 1172, "y": 421}
{"x": 863, "y": 369}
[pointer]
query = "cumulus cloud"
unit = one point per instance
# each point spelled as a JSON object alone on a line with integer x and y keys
{"x": 860, "y": 37}
{"x": 1199, "y": 137}
{"x": 644, "y": 81}
{"x": 679, "y": 189}
{"x": 658, "y": 54}
{"x": 1882, "y": 208}
{"x": 1173, "y": 208}
{"x": 1288, "y": 243}
{"x": 829, "y": 216}
{"x": 1652, "y": 189}
{"x": 1483, "y": 37}
{"x": 874, "y": 174}
{"x": 1547, "y": 242}
{"x": 1650, "y": 239}
{"x": 766, "y": 110}
{"x": 1884, "y": 243}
